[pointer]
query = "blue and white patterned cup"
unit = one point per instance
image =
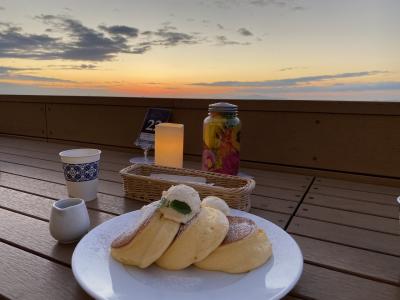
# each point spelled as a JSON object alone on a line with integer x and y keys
{"x": 81, "y": 169}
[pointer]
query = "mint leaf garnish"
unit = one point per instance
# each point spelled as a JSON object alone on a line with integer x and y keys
{"x": 180, "y": 207}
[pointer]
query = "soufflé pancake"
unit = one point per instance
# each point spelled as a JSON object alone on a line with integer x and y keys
{"x": 244, "y": 248}
{"x": 160, "y": 221}
{"x": 195, "y": 240}
{"x": 180, "y": 230}
{"x": 144, "y": 244}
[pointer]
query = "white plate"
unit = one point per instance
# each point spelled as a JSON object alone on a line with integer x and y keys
{"x": 104, "y": 278}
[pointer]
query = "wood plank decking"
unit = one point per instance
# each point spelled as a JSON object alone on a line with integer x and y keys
{"x": 348, "y": 231}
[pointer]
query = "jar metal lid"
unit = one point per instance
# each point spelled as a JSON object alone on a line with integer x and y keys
{"x": 223, "y": 107}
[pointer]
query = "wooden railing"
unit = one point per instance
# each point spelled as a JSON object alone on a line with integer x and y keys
{"x": 346, "y": 136}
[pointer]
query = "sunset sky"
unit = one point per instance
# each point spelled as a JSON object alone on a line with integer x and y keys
{"x": 251, "y": 49}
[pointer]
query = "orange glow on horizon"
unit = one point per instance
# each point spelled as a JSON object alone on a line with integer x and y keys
{"x": 173, "y": 90}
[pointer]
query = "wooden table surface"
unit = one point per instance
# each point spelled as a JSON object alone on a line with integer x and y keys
{"x": 348, "y": 231}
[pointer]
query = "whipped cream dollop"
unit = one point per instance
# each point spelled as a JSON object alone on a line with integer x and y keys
{"x": 217, "y": 203}
{"x": 180, "y": 203}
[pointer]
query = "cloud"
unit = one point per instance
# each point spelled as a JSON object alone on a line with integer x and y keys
{"x": 291, "y": 5}
{"x": 141, "y": 49}
{"x": 278, "y": 3}
{"x": 29, "y": 89}
{"x": 4, "y": 70}
{"x": 384, "y": 90}
{"x": 244, "y": 32}
{"x": 69, "y": 39}
{"x": 166, "y": 36}
{"x": 289, "y": 81}
{"x": 11, "y": 73}
{"x": 370, "y": 86}
{"x": 120, "y": 30}
{"x": 287, "y": 69}
{"x": 14, "y": 43}
{"x": 291, "y": 68}
{"x": 222, "y": 40}
{"x": 225, "y": 4}
{"x": 367, "y": 91}
{"x": 73, "y": 67}
{"x": 87, "y": 67}
{"x": 32, "y": 78}
{"x": 78, "y": 42}
{"x": 85, "y": 43}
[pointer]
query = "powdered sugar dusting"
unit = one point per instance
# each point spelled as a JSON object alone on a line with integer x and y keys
{"x": 239, "y": 228}
{"x": 148, "y": 212}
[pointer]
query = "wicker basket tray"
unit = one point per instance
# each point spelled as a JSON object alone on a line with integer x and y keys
{"x": 233, "y": 189}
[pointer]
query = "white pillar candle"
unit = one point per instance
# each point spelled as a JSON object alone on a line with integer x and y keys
{"x": 169, "y": 145}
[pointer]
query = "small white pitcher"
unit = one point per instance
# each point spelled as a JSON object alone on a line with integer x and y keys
{"x": 69, "y": 220}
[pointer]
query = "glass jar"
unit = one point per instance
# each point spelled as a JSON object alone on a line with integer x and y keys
{"x": 221, "y": 139}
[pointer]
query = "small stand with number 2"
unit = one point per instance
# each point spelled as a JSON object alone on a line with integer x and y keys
{"x": 145, "y": 141}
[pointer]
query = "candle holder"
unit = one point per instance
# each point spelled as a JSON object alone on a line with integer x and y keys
{"x": 169, "y": 145}
{"x": 145, "y": 159}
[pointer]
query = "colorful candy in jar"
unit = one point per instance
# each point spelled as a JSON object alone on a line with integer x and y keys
{"x": 221, "y": 139}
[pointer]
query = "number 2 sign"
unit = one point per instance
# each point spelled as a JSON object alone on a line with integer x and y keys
{"x": 151, "y": 124}
{"x": 153, "y": 117}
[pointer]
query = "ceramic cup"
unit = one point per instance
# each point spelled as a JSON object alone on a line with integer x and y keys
{"x": 69, "y": 220}
{"x": 81, "y": 168}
